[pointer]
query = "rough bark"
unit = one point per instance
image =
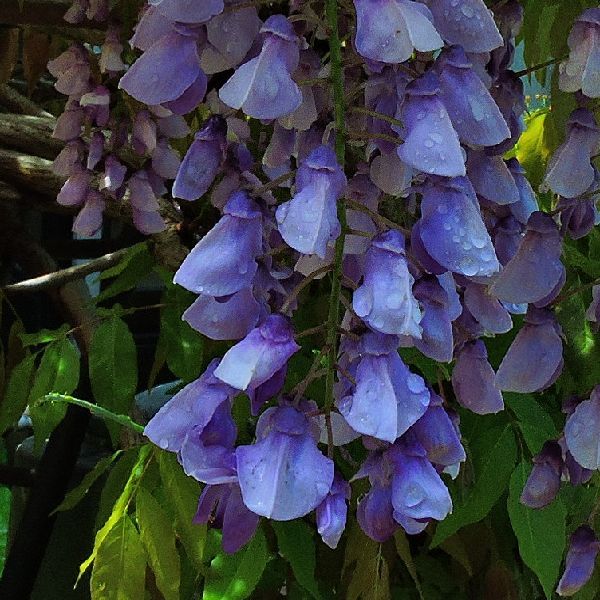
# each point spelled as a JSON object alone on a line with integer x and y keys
{"x": 29, "y": 134}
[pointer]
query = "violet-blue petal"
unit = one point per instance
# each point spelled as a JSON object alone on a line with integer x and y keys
{"x": 188, "y": 11}
{"x": 452, "y": 229}
{"x": 259, "y": 355}
{"x": 473, "y": 380}
{"x": 580, "y": 71}
{"x": 228, "y": 318}
{"x": 388, "y": 398}
{"x": 191, "y": 98}
{"x": 536, "y": 269}
{"x": 527, "y": 203}
{"x": 582, "y": 432}
{"x": 225, "y": 503}
{"x": 418, "y": 491}
{"x": 474, "y": 113}
{"x": 469, "y": 24}
{"x": 375, "y": 514}
{"x": 309, "y": 220}
{"x": 431, "y": 143}
{"x": 389, "y": 31}
{"x": 165, "y": 71}
{"x": 208, "y": 464}
{"x": 435, "y": 431}
{"x": 385, "y": 300}
{"x": 491, "y": 178}
{"x": 534, "y": 359}
{"x": 580, "y": 561}
{"x": 192, "y": 406}
{"x": 89, "y": 220}
{"x": 202, "y": 161}
{"x": 543, "y": 482}
{"x": 331, "y": 513}
{"x": 224, "y": 260}
{"x": 263, "y": 87}
{"x": 570, "y": 172}
{"x": 437, "y": 340}
{"x": 283, "y": 476}
{"x": 487, "y": 310}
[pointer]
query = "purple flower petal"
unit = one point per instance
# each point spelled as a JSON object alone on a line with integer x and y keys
{"x": 468, "y": 23}
{"x": 263, "y": 87}
{"x": 165, "y": 71}
{"x": 534, "y": 359}
{"x": 188, "y": 11}
{"x": 389, "y": 31}
{"x": 543, "y": 482}
{"x": 582, "y": 432}
{"x": 283, "y": 476}
{"x": 223, "y": 261}
{"x": 431, "y": 143}
{"x": 536, "y": 269}
{"x": 580, "y": 562}
{"x": 452, "y": 229}
{"x": 473, "y": 380}
{"x": 474, "y": 114}
{"x": 387, "y": 303}
{"x": 259, "y": 355}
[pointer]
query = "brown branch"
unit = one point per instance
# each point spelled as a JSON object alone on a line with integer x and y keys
{"x": 29, "y": 134}
{"x": 63, "y": 276}
{"x": 17, "y": 103}
{"x": 44, "y": 13}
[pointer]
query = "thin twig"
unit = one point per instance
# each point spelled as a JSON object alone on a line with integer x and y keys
{"x": 304, "y": 283}
{"x": 377, "y": 217}
{"x": 275, "y": 183}
{"x": 63, "y": 276}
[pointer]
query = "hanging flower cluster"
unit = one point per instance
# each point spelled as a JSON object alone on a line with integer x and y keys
{"x": 429, "y": 106}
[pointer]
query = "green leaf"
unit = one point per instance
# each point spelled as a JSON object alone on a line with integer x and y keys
{"x": 403, "y": 550}
{"x": 43, "y": 336}
{"x": 494, "y": 454}
{"x": 76, "y": 495}
{"x": 541, "y": 533}
{"x": 121, "y": 506}
{"x": 113, "y": 367}
{"x": 297, "y": 546}
{"x": 183, "y": 345}
{"x": 181, "y": 497}
{"x": 17, "y": 393}
{"x": 119, "y": 571}
{"x": 58, "y": 372}
{"x": 535, "y": 423}
{"x": 234, "y": 576}
{"x": 158, "y": 537}
{"x": 532, "y": 149}
{"x": 129, "y": 272}
{"x": 581, "y": 351}
{"x": 369, "y": 573}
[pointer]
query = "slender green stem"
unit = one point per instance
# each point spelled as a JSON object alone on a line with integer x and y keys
{"x": 337, "y": 80}
{"x": 103, "y": 413}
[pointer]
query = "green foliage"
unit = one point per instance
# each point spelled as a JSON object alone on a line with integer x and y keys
{"x": 234, "y": 576}
{"x": 494, "y": 453}
{"x": 113, "y": 366}
{"x": 181, "y": 499}
{"x": 119, "y": 571}
{"x": 76, "y": 495}
{"x": 121, "y": 506}
{"x": 17, "y": 392}
{"x": 182, "y": 344}
{"x": 366, "y": 568}
{"x": 158, "y": 538}
{"x": 297, "y": 546}
{"x": 541, "y": 533}
{"x": 534, "y": 422}
{"x": 58, "y": 371}
{"x": 127, "y": 273}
